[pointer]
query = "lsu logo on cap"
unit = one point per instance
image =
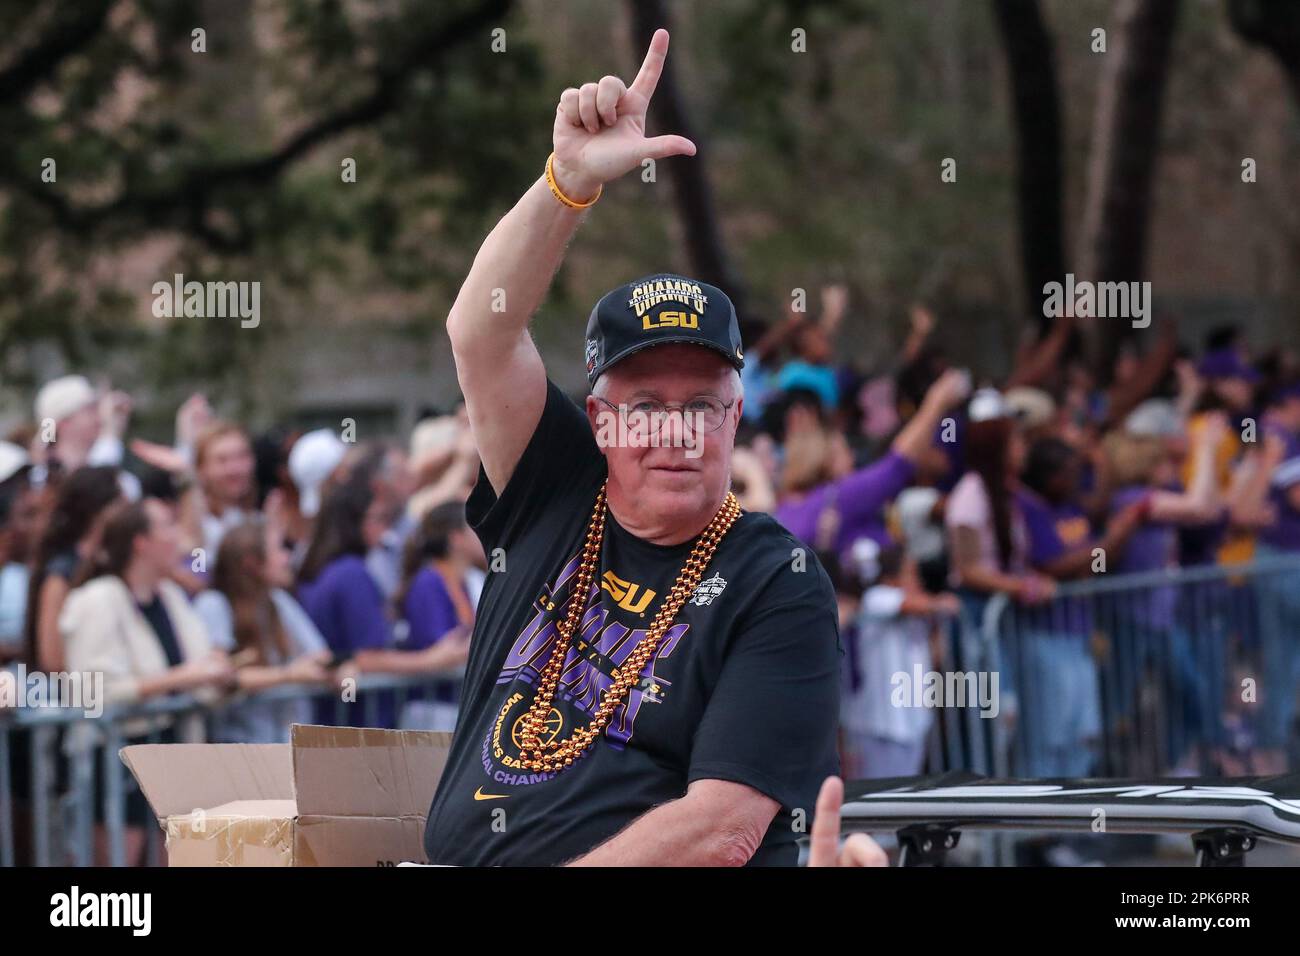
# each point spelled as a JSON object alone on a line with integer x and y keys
{"x": 647, "y": 295}
{"x": 669, "y": 319}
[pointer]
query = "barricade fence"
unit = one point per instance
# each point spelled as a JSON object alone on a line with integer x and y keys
{"x": 1185, "y": 672}
{"x": 64, "y": 790}
{"x": 1189, "y": 672}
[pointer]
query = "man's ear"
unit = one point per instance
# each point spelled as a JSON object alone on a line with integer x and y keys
{"x": 596, "y": 412}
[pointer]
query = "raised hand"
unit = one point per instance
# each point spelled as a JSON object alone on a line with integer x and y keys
{"x": 600, "y": 128}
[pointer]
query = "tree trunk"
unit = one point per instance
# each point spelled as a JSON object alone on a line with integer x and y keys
{"x": 1036, "y": 111}
{"x": 692, "y": 195}
{"x": 1275, "y": 26}
{"x": 1125, "y": 145}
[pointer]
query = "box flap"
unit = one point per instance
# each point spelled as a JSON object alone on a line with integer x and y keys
{"x": 180, "y": 778}
{"x": 254, "y": 809}
{"x": 357, "y": 771}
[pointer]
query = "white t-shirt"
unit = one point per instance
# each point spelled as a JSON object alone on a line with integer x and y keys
{"x": 253, "y": 721}
{"x": 887, "y": 644}
{"x": 922, "y": 534}
{"x": 215, "y": 527}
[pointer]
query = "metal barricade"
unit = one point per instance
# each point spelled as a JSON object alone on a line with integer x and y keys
{"x": 1188, "y": 671}
{"x": 60, "y": 817}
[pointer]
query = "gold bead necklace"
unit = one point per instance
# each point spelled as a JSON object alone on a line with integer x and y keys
{"x": 556, "y": 755}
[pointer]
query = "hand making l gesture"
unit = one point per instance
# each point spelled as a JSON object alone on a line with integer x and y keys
{"x": 600, "y": 128}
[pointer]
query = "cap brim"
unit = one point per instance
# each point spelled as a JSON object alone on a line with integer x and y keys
{"x": 736, "y": 363}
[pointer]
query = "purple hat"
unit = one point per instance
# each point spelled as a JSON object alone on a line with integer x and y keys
{"x": 1285, "y": 391}
{"x": 1226, "y": 363}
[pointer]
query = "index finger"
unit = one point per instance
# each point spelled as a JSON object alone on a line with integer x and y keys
{"x": 647, "y": 77}
{"x": 824, "y": 843}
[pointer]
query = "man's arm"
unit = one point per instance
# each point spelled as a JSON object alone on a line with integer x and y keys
{"x": 599, "y": 135}
{"x": 497, "y": 364}
{"x": 766, "y": 738}
{"x": 917, "y": 436}
{"x": 716, "y": 823}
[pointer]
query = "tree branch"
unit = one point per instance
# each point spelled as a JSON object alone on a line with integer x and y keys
{"x": 74, "y": 26}
{"x": 184, "y": 204}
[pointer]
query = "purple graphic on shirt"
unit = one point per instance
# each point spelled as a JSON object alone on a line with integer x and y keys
{"x": 591, "y": 665}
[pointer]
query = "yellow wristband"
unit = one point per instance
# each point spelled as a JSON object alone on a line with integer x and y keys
{"x": 559, "y": 194}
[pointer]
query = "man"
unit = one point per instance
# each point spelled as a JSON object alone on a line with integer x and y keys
{"x": 689, "y": 715}
{"x": 79, "y": 427}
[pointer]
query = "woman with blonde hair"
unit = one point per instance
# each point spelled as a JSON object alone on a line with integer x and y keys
{"x": 1147, "y": 631}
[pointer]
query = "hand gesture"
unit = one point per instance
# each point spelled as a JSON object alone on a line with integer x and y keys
{"x": 212, "y": 669}
{"x": 1214, "y": 430}
{"x": 823, "y": 848}
{"x": 600, "y": 128}
{"x": 194, "y": 415}
{"x": 114, "y": 412}
{"x": 307, "y": 670}
{"x": 921, "y": 320}
{"x": 950, "y": 388}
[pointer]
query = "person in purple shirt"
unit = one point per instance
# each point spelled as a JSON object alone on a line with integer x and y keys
{"x": 334, "y": 586}
{"x": 1276, "y": 592}
{"x": 1146, "y": 628}
{"x": 829, "y": 512}
{"x": 1059, "y": 675}
{"x": 435, "y": 613}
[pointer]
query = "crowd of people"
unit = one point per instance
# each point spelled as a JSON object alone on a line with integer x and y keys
{"x": 926, "y": 494}
{"x": 226, "y": 563}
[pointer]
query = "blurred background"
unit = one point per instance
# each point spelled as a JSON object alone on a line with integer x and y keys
{"x": 1103, "y": 512}
{"x": 815, "y": 167}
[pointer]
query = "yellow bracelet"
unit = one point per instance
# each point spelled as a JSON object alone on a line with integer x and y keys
{"x": 558, "y": 194}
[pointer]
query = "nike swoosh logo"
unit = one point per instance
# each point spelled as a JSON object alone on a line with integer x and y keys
{"x": 480, "y": 795}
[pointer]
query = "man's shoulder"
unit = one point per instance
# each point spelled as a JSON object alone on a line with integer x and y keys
{"x": 781, "y": 567}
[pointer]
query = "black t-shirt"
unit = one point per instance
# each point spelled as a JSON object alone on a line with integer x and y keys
{"x": 744, "y": 687}
{"x": 156, "y": 614}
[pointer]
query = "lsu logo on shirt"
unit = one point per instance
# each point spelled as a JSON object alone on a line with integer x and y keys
{"x": 1072, "y": 530}
{"x": 625, "y": 593}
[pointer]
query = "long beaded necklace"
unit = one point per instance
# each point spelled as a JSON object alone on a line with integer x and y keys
{"x": 556, "y": 755}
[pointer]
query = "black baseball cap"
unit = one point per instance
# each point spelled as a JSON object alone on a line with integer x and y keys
{"x": 657, "y": 310}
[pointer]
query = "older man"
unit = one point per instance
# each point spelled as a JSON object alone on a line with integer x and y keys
{"x": 654, "y": 675}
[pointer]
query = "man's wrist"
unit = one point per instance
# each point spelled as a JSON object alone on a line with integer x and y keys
{"x": 576, "y": 186}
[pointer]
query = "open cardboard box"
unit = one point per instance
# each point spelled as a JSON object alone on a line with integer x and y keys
{"x": 333, "y": 796}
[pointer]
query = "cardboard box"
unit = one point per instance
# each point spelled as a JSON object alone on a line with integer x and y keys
{"x": 333, "y": 796}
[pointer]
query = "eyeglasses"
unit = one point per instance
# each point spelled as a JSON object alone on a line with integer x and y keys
{"x": 703, "y": 413}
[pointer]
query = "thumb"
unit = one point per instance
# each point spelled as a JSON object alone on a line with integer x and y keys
{"x": 661, "y": 147}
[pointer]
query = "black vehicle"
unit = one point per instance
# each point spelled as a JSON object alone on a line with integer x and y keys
{"x": 1225, "y": 818}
